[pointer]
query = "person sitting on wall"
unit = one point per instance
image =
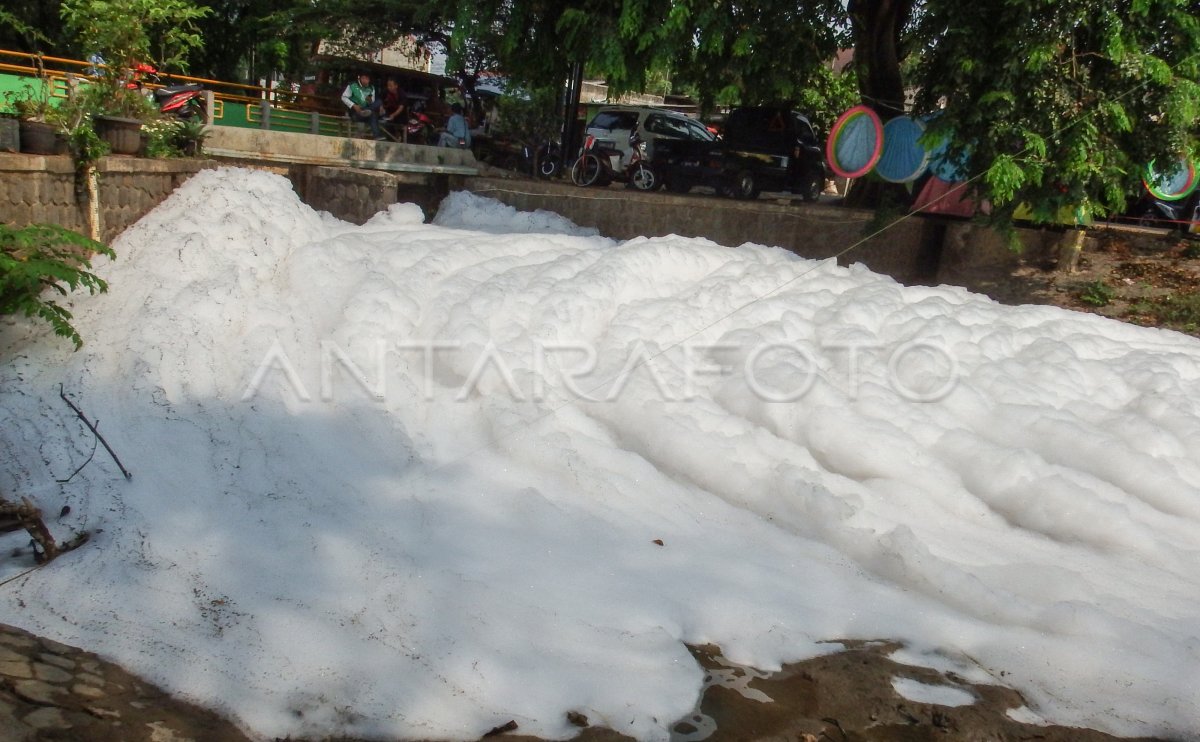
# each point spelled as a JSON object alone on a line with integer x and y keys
{"x": 359, "y": 98}
{"x": 457, "y": 133}
{"x": 395, "y": 107}
{"x": 436, "y": 108}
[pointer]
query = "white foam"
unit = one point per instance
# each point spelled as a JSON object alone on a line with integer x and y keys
{"x": 378, "y": 491}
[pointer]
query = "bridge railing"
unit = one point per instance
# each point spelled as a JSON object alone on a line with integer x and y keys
{"x": 232, "y": 103}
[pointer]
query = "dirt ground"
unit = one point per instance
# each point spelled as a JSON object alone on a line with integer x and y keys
{"x": 847, "y": 696}
{"x": 1143, "y": 276}
{"x": 50, "y": 691}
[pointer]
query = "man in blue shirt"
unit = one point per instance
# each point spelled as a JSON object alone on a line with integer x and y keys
{"x": 457, "y": 133}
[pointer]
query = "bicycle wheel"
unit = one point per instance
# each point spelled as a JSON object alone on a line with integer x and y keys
{"x": 548, "y": 163}
{"x": 586, "y": 170}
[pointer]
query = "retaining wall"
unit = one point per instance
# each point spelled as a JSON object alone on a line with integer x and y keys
{"x": 917, "y": 250}
{"x": 36, "y": 188}
{"x": 43, "y": 189}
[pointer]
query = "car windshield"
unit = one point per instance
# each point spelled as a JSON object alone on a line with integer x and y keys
{"x": 615, "y": 120}
{"x": 677, "y": 127}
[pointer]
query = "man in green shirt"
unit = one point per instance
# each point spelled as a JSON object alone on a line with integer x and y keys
{"x": 359, "y": 97}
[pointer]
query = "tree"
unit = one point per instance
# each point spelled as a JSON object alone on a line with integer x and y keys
{"x": 245, "y": 39}
{"x": 129, "y": 32}
{"x": 32, "y": 27}
{"x": 751, "y": 51}
{"x": 879, "y": 35}
{"x": 1069, "y": 103}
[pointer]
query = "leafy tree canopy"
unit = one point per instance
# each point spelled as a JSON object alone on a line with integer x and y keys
{"x": 1047, "y": 102}
{"x": 1068, "y": 103}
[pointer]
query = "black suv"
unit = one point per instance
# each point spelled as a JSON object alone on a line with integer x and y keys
{"x": 763, "y": 148}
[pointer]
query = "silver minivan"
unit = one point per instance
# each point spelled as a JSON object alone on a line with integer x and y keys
{"x": 612, "y": 125}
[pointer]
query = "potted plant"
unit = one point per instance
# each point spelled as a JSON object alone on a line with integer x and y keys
{"x": 38, "y": 119}
{"x": 172, "y": 137}
{"x": 31, "y": 106}
{"x": 120, "y": 32}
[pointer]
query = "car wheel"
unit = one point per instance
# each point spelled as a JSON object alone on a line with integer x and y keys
{"x": 811, "y": 190}
{"x": 586, "y": 170}
{"x": 1148, "y": 218}
{"x": 644, "y": 178}
{"x": 744, "y": 186}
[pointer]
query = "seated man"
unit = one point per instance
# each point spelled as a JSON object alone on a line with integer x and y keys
{"x": 457, "y": 133}
{"x": 394, "y": 113}
{"x": 359, "y": 97}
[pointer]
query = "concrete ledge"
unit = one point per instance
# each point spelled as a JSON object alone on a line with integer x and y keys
{"x": 313, "y": 149}
{"x": 22, "y": 163}
{"x": 909, "y": 250}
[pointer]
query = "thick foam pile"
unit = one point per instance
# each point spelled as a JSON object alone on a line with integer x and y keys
{"x": 415, "y": 480}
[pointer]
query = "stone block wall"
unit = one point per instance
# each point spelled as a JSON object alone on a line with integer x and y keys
{"x": 43, "y": 189}
{"x": 36, "y": 188}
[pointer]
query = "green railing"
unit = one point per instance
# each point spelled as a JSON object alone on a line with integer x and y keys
{"x": 232, "y": 104}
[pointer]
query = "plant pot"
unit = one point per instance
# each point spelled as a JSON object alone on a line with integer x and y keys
{"x": 123, "y": 136}
{"x": 10, "y": 135}
{"x": 40, "y": 138}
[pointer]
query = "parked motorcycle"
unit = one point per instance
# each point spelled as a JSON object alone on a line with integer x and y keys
{"x": 1181, "y": 214}
{"x": 184, "y": 102}
{"x": 600, "y": 164}
{"x": 418, "y": 129}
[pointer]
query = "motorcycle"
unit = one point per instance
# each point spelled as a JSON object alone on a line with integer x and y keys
{"x": 1181, "y": 214}
{"x": 418, "y": 129}
{"x": 185, "y": 102}
{"x": 600, "y": 164}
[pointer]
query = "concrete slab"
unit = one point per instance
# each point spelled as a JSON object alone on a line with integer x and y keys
{"x": 314, "y": 149}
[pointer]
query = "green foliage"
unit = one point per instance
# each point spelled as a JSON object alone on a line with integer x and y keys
{"x": 1176, "y": 311}
{"x": 1097, "y": 294}
{"x": 826, "y": 95}
{"x": 532, "y": 119}
{"x": 1059, "y": 105}
{"x": 751, "y": 51}
{"x": 86, "y": 145}
{"x": 126, "y": 32}
{"x": 246, "y": 39}
{"x": 98, "y": 98}
{"x": 45, "y": 258}
{"x": 32, "y": 102}
{"x": 26, "y": 27}
{"x": 170, "y": 137}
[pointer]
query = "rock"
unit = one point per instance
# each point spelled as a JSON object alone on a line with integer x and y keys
{"x": 35, "y": 691}
{"x": 50, "y": 673}
{"x": 47, "y": 718}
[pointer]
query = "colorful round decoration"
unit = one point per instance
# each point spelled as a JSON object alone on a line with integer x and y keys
{"x": 855, "y": 142}
{"x": 904, "y": 158}
{"x": 1173, "y": 187}
{"x": 943, "y": 167}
